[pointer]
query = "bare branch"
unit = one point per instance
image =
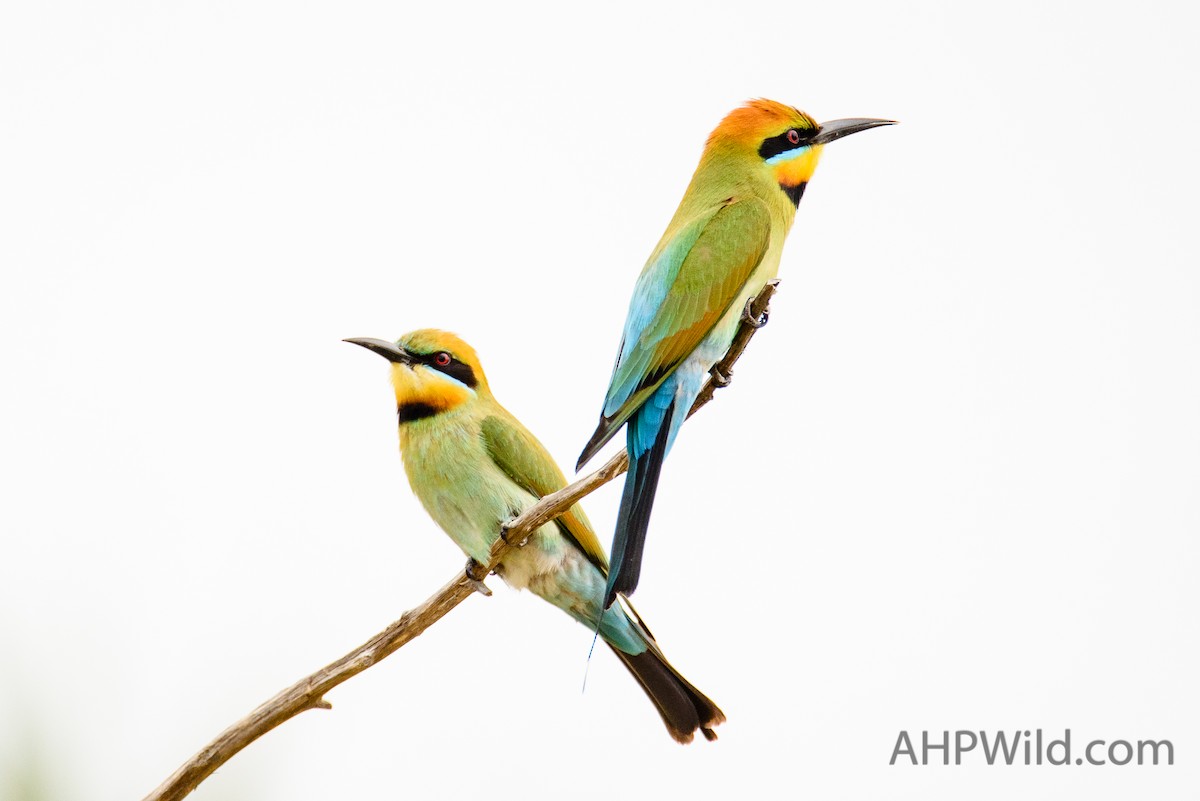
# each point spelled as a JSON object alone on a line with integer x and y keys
{"x": 309, "y": 692}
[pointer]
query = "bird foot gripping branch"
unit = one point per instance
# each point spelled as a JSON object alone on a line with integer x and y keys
{"x": 507, "y": 527}
{"x": 475, "y": 573}
{"x": 755, "y": 314}
{"x": 755, "y": 320}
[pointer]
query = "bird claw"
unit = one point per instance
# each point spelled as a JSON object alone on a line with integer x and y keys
{"x": 720, "y": 379}
{"x": 504, "y": 532}
{"x": 748, "y": 315}
{"x": 474, "y": 573}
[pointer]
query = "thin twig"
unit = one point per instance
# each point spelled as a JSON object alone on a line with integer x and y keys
{"x": 309, "y": 692}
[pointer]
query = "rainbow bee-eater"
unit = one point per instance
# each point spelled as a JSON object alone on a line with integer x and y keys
{"x": 720, "y": 248}
{"x": 474, "y": 466}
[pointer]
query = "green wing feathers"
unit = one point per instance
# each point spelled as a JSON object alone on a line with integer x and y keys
{"x": 524, "y": 460}
{"x": 697, "y": 284}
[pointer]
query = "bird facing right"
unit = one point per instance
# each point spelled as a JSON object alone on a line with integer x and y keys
{"x": 723, "y": 244}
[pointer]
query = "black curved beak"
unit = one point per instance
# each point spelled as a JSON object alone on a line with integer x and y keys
{"x": 836, "y": 129}
{"x": 387, "y": 350}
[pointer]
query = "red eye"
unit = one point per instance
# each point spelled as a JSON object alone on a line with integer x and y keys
{"x": 442, "y": 359}
{"x": 794, "y": 136}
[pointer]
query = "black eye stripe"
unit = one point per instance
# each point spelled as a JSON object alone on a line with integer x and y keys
{"x": 455, "y": 369}
{"x": 780, "y": 144}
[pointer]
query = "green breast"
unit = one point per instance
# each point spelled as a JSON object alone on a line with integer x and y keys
{"x": 455, "y": 480}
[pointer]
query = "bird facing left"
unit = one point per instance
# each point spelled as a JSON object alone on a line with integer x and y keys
{"x": 474, "y": 466}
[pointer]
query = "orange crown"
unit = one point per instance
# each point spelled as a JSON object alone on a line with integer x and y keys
{"x": 753, "y": 122}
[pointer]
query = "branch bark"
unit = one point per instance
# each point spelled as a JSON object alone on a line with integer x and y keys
{"x": 309, "y": 692}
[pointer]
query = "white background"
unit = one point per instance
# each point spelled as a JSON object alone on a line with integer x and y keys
{"x": 953, "y": 486}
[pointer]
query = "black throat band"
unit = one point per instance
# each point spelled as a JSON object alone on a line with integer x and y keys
{"x": 415, "y": 411}
{"x": 794, "y": 192}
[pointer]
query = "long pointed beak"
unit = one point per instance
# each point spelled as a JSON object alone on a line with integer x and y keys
{"x": 387, "y": 350}
{"x": 836, "y": 129}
